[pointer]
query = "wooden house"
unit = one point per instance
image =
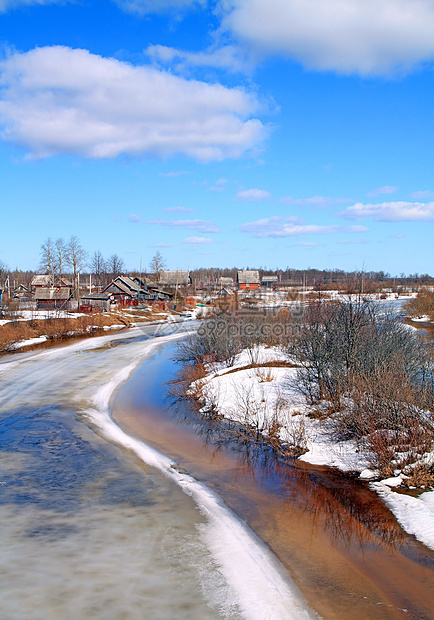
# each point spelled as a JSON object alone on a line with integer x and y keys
{"x": 124, "y": 291}
{"x": 248, "y": 280}
{"x": 270, "y": 281}
{"x": 96, "y": 301}
{"x": 174, "y": 279}
{"x": 51, "y": 298}
{"x": 41, "y": 281}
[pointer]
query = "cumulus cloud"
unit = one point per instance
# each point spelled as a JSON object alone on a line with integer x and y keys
{"x": 146, "y": 7}
{"x": 253, "y": 194}
{"x": 61, "y": 100}
{"x": 197, "y": 240}
{"x": 200, "y": 225}
{"x": 367, "y": 37}
{"x": 391, "y": 211}
{"x": 290, "y": 227}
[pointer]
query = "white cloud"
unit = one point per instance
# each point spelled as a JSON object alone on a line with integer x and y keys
{"x": 288, "y": 227}
{"x": 386, "y": 189}
{"x": 218, "y": 186}
{"x": 200, "y": 225}
{"x": 368, "y": 37}
{"x": 59, "y": 100}
{"x": 228, "y": 57}
{"x": 391, "y": 211}
{"x": 5, "y": 5}
{"x": 425, "y": 194}
{"x": 253, "y": 194}
{"x": 197, "y": 240}
{"x": 135, "y": 219}
{"x": 146, "y": 7}
{"x": 318, "y": 201}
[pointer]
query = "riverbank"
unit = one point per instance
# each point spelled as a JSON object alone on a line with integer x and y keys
{"x": 340, "y": 544}
{"x": 267, "y": 400}
{"x": 37, "y": 328}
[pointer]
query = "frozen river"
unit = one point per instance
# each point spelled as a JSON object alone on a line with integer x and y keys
{"x": 97, "y": 524}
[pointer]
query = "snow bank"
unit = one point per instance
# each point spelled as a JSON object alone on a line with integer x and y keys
{"x": 27, "y": 343}
{"x": 414, "y": 514}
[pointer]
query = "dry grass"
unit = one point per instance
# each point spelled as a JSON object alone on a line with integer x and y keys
{"x": 57, "y": 328}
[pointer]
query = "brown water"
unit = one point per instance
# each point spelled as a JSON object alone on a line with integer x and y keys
{"x": 340, "y": 544}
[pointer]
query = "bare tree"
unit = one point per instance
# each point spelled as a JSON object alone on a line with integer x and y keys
{"x": 4, "y": 270}
{"x": 48, "y": 258}
{"x": 157, "y": 265}
{"x": 76, "y": 259}
{"x": 98, "y": 266}
{"x": 60, "y": 254}
{"x": 115, "y": 266}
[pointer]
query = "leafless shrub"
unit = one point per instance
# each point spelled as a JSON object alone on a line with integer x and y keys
{"x": 419, "y": 475}
{"x": 422, "y": 305}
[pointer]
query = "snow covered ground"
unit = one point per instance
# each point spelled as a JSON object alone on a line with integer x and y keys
{"x": 261, "y": 396}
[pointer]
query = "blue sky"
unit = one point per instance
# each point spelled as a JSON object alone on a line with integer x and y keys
{"x": 234, "y": 132}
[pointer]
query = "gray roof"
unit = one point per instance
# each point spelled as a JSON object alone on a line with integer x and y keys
{"x": 225, "y": 281}
{"x": 225, "y": 292}
{"x": 270, "y": 279}
{"x": 97, "y": 296}
{"x": 173, "y": 278}
{"x": 41, "y": 280}
{"x": 249, "y": 277}
{"x": 124, "y": 284}
{"x": 52, "y": 293}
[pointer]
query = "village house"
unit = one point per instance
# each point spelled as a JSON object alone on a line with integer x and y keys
{"x": 51, "y": 298}
{"x": 226, "y": 282}
{"x": 270, "y": 281}
{"x": 175, "y": 279}
{"x": 124, "y": 291}
{"x": 97, "y": 301}
{"x": 248, "y": 280}
{"x": 41, "y": 281}
{"x": 127, "y": 291}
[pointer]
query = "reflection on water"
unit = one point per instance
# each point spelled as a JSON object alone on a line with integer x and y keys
{"x": 342, "y": 546}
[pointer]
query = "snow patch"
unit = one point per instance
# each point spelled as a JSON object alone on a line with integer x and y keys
{"x": 414, "y": 514}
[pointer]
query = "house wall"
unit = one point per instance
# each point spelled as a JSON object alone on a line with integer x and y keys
{"x": 249, "y": 286}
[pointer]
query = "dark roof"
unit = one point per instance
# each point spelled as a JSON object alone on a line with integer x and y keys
{"x": 125, "y": 285}
{"x": 96, "y": 296}
{"x": 224, "y": 292}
